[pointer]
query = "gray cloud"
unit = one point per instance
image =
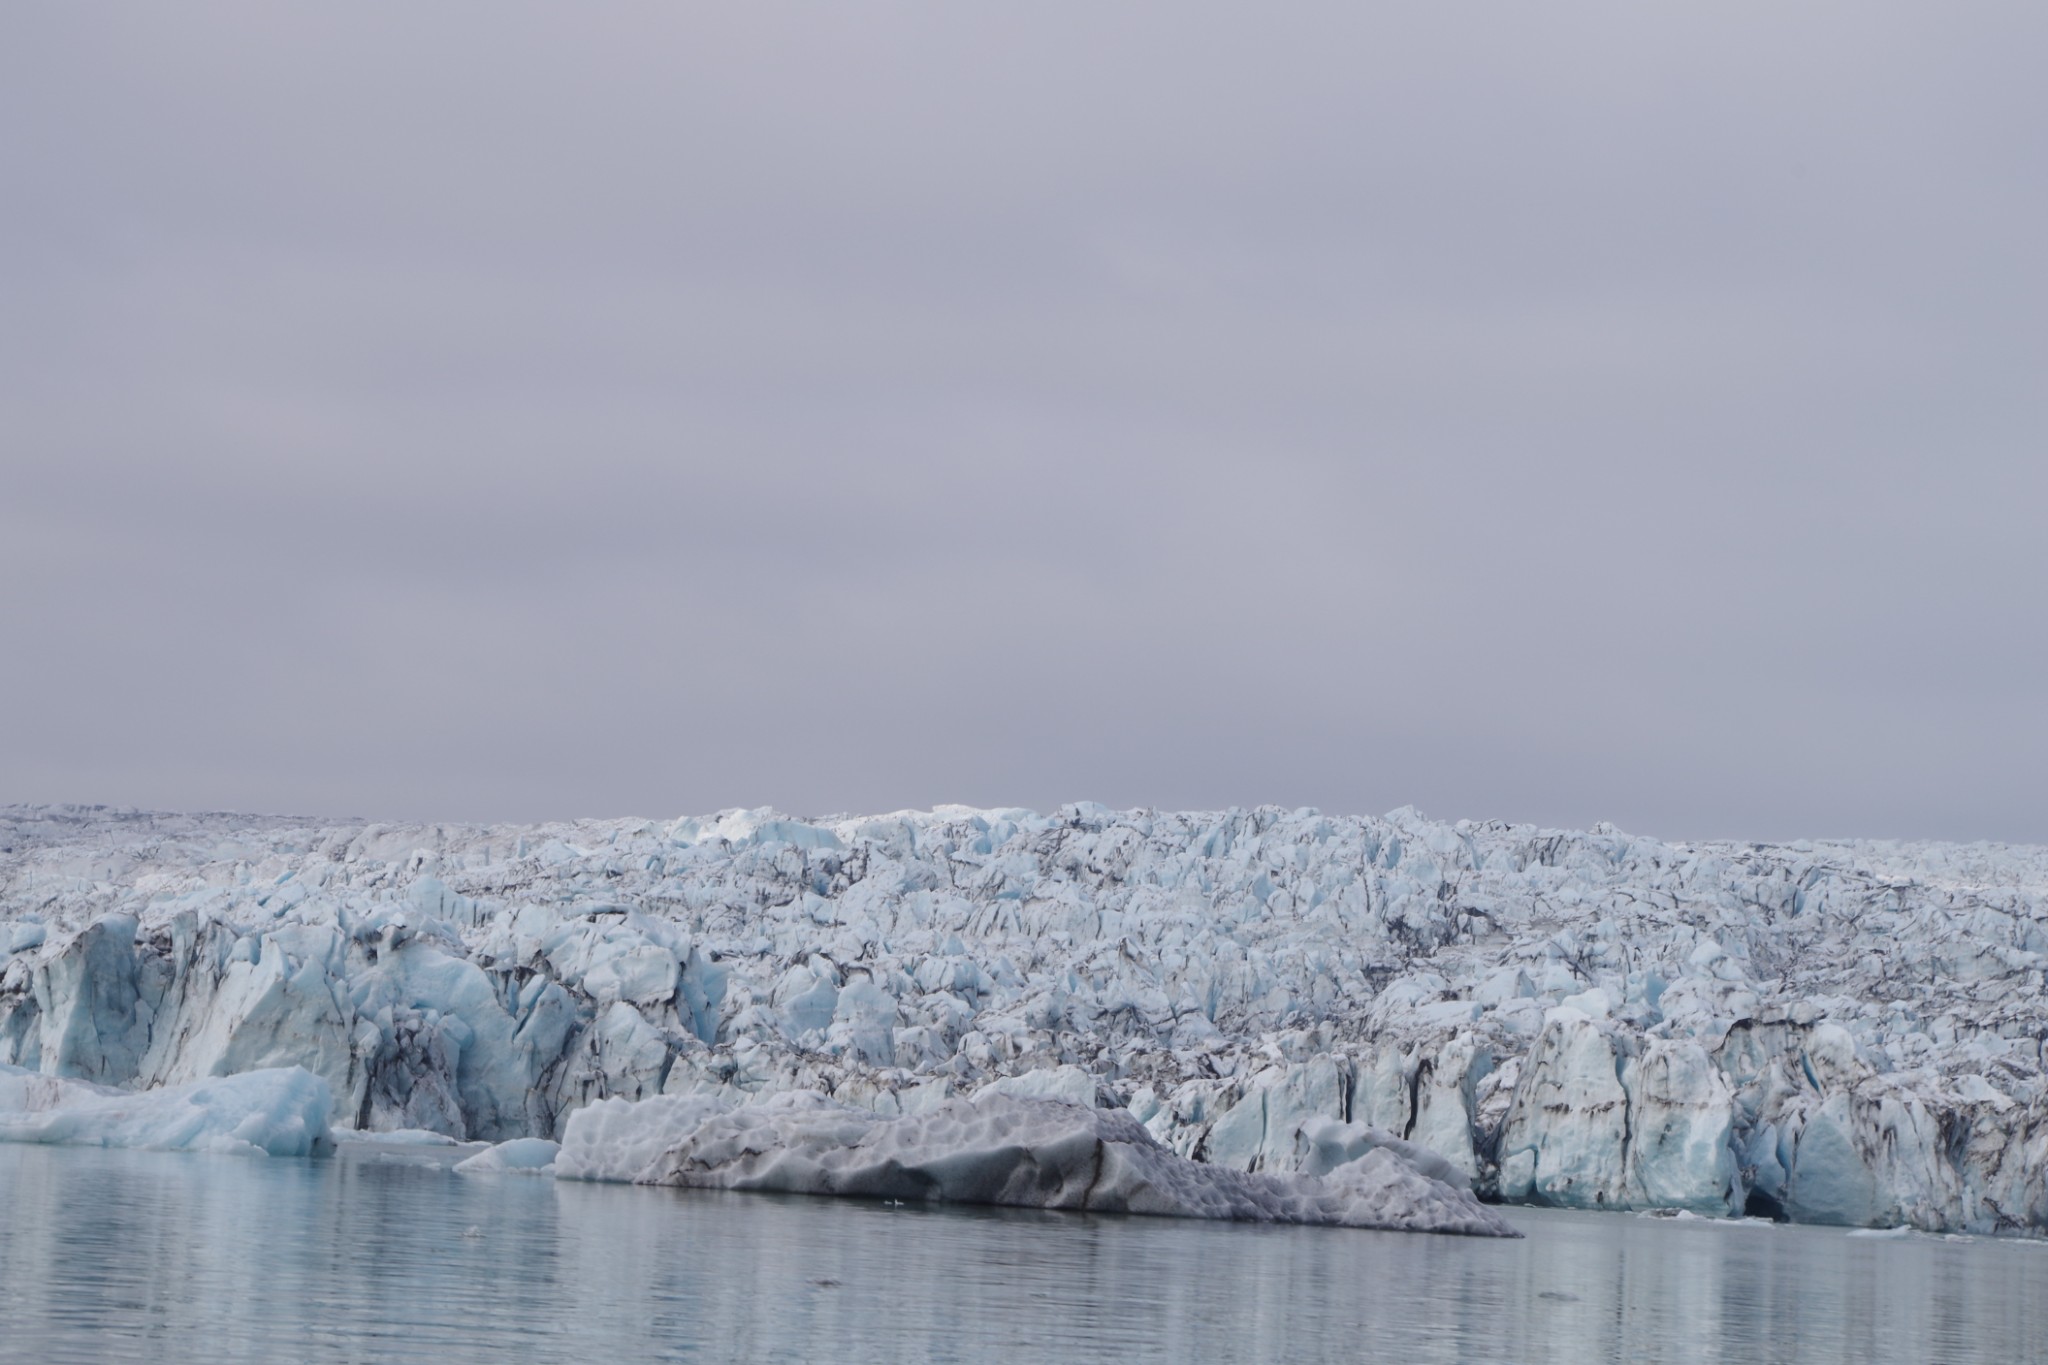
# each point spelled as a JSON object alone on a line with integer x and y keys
{"x": 1583, "y": 413}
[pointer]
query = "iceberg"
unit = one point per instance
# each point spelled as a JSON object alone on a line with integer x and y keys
{"x": 395, "y": 1138}
{"x": 277, "y": 1112}
{"x": 515, "y": 1156}
{"x": 994, "y": 1149}
{"x": 1844, "y": 1032}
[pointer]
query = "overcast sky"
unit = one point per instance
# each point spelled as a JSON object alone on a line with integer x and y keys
{"x": 1553, "y": 412}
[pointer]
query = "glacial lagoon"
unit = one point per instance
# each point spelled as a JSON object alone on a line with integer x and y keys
{"x": 384, "y": 1254}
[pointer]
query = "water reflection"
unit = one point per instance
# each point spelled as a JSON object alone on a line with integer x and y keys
{"x": 146, "y": 1256}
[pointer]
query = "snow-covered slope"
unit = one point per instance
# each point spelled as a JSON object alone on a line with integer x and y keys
{"x": 1843, "y": 1032}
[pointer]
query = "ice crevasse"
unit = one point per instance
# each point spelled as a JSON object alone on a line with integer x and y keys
{"x": 1834, "y": 1032}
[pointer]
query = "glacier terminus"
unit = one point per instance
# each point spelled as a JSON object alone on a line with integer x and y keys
{"x": 1259, "y": 1013}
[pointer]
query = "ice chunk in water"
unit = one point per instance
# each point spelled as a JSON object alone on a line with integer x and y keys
{"x": 520, "y": 1156}
{"x": 282, "y": 1111}
{"x": 994, "y": 1149}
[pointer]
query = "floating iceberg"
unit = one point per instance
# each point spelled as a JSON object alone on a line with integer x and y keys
{"x": 279, "y": 1112}
{"x": 1840, "y": 1032}
{"x": 994, "y": 1149}
{"x": 396, "y": 1138}
{"x": 516, "y": 1156}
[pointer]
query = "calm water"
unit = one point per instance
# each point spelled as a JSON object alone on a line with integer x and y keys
{"x": 108, "y": 1256}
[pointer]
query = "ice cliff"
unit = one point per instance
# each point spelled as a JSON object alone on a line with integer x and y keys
{"x": 1832, "y": 1032}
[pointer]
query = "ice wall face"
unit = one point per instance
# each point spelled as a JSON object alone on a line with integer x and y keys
{"x": 1837, "y": 1032}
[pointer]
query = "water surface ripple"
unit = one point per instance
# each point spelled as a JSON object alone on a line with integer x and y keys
{"x": 141, "y": 1256}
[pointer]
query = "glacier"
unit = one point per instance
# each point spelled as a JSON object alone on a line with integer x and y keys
{"x": 1838, "y": 1032}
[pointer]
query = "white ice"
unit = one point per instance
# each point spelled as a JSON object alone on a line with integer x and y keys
{"x": 279, "y": 1112}
{"x": 515, "y": 1156}
{"x": 397, "y": 1137}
